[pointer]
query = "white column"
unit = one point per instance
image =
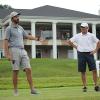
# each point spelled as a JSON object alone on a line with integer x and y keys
{"x": 94, "y": 32}
{"x": 3, "y": 54}
{"x": 0, "y": 54}
{"x": 3, "y": 36}
{"x": 74, "y": 32}
{"x": 54, "y": 41}
{"x": 33, "y": 48}
{"x": 3, "y": 32}
{"x": 94, "y": 28}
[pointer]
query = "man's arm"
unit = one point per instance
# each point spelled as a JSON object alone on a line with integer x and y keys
{"x": 30, "y": 37}
{"x": 97, "y": 47}
{"x": 72, "y": 44}
{"x": 6, "y": 49}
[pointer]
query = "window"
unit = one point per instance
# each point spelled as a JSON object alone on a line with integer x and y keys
{"x": 1, "y": 54}
{"x": 46, "y": 34}
{"x": 38, "y": 53}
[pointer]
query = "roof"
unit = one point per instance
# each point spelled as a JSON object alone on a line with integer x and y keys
{"x": 50, "y": 11}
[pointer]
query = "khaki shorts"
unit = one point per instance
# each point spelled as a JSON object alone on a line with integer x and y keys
{"x": 20, "y": 59}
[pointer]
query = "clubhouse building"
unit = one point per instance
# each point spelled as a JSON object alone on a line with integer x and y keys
{"x": 55, "y": 25}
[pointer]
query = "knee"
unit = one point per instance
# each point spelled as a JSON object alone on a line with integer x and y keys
{"x": 94, "y": 71}
{"x": 27, "y": 70}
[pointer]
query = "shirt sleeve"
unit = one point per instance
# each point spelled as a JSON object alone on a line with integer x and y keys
{"x": 74, "y": 39}
{"x": 7, "y": 33}
{"x": 95, "y": 39}
{"x": 25, "y": 34}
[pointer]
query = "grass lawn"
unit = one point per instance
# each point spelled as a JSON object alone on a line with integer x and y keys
{"x": 44, "y": 68}
{"x": 55, "y": 80}
{"x": 63, "y": 93}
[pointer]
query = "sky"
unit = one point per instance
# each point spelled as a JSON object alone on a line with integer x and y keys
{"x": 88, "y": 6}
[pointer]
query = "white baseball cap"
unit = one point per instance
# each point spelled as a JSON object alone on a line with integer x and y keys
{"x": 84, "y": 25}
{"x": 12, "y": 14}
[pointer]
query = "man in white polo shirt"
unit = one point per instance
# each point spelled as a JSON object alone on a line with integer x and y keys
{"x": 84, "y": 43}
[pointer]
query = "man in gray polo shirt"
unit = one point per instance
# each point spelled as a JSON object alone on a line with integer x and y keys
{"x": 15, "y": 52}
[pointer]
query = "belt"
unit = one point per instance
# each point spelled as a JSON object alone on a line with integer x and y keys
{"x": 16, "y": 47}
{"x": 84, "y": 52}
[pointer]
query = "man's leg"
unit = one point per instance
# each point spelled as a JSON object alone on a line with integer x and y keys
{"x": 83, "y": 77}
{"x": 15, "y": 80}
{"x": 29, "y": 77}
{"x": 95, "y": 80}
{"x": 95, "y": 77}
{"x": 82, "y": 69}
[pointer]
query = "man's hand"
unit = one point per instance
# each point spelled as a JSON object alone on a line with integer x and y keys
{"x": 8, "y": 56}
{"x": 94, "y": 51}
{"x": 37, "y": 38}
{"x": 72, "y": 44}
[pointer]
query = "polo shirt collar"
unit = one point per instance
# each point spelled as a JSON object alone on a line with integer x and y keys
{"x": 14, "y": 25}
{"x": 85, "y": 34}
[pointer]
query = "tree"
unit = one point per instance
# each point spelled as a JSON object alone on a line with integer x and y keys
{"x": 5, "y": 6}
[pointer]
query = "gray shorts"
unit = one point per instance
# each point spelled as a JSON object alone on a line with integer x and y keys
{"x": 20, "y": 58}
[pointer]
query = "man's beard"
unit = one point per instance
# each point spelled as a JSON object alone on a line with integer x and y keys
{"x": 16, "y": 21}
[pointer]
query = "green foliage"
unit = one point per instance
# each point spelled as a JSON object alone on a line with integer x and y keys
{"x": 5, "y": 6}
